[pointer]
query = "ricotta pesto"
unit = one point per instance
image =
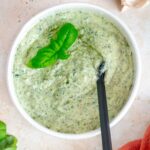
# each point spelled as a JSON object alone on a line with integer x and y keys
{"x": 63, "y": 97}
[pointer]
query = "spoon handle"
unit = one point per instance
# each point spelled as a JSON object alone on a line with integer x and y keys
{"x": 103, "y": 110}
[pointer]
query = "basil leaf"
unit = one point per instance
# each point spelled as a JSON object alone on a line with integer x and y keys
{"x": 43, "y": 58}
{"x": 8, "y": 143}
{"x": 2, "y": 130}
{"x": 57, "y": 48}
{"x": 11, "y": 148}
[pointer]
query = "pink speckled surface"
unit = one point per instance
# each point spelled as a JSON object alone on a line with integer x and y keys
{"x": 13, "y": 15}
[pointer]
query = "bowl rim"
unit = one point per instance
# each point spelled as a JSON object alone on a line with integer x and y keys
{"x": 29, "y": 25}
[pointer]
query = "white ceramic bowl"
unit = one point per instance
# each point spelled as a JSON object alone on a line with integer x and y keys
{"x": 125, "y": 31}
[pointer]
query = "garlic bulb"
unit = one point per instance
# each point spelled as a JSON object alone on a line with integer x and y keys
{"x": 133, "y": 3}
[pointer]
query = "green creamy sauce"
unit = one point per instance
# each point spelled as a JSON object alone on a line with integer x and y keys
{"x": 63, "y": 97}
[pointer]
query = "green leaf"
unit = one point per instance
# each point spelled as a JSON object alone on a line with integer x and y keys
{"x": 2, "y": 130}
{"x": 57, "y": 49}
{"x": 8, "y": 143}
{"x": 11, "y": 148}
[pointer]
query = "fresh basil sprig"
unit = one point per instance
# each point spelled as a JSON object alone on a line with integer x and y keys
{"x": 7, "y": 142}
{"x": 57, "y": 48}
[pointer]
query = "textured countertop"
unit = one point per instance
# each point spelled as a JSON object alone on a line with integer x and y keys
{"x": 13, "y": 15}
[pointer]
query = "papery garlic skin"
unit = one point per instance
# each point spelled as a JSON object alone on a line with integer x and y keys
{"x": 126, "y": 4}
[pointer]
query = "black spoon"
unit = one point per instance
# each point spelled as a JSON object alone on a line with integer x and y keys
{"x": 103, "y": 110}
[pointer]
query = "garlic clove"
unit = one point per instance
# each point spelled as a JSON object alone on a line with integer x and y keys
{"x": 133, "y": 4}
